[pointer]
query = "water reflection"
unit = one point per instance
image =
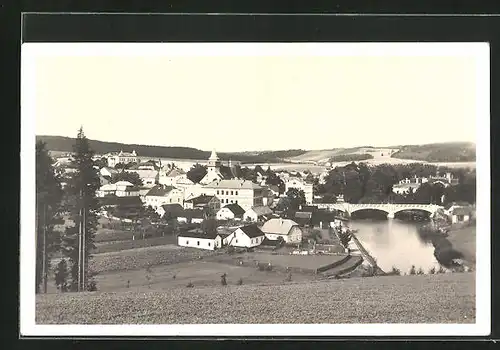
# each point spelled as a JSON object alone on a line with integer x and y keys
{"x": 395, "y": 243}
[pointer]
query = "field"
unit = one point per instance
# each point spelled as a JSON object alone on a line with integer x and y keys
{"x": 444, "y": 298}
{"x": 464, "y": 240}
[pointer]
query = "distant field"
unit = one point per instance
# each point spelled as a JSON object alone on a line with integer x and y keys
{"x": 444, "y": 152}
{"x": 444, "y": 298}
{"x": 464, "y": 240}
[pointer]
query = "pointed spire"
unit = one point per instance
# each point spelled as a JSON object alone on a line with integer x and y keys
{"x": 213, "y": 156}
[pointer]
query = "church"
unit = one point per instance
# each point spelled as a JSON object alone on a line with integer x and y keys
{"x": 216, "y": 171}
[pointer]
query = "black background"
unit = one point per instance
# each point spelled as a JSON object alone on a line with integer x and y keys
{"x": 228, "y": 28}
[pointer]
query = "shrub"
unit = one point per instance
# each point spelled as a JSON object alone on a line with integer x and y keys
{"x": 441, "y": 270}
{"x": 61, "y": 276}
{"x": 190, "y": 285}
{"x": 412, "y": 270}
{"x": 288, "y": 277}
{"x": 223, "y": 280}
{"x": 432, "y": 271}
{"x": 420, "y": 271}
{"x": 239, "y": 282}
{"x": 395, "y": 271}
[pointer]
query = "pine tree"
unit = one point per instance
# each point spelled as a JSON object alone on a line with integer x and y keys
{"x": 82, "y": 206}
{"x": 48, "y": 205}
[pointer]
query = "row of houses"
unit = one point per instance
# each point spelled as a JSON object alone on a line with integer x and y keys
{"x": 244, "y": 236}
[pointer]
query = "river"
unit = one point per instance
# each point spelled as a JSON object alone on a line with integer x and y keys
{"x": 395, "y": 243}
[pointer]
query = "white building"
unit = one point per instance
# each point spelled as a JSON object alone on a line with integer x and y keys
{"x": 107, "y": 171}
{"x": 257, "y": 213}
{"x": 173, "y": 177}
{"x": 159, "y": 195}
{"x": 287, "y": 229}
{"x": 300, "y": 184}
{"x": 149, "y": 177}
{"x": 404, "y": 188}
{"x": 119, "y": 189}
{"x": 230, "y": 212}
{"x": 122, "y": 157}
{"x": 243, "y": 192}
{"x": 245, "y": 237}
{"x": 200, "y": 240}
{"x": 213, "y": 170}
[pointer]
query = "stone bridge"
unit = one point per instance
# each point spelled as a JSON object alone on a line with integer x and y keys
{"x": 389, "y": 208}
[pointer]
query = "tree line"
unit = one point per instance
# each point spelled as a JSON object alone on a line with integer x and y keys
{"x": 362, "y": 184}
{"x": 77, "y": 204}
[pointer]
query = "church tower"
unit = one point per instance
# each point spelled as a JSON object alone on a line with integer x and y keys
{"x": 214, "y": 162}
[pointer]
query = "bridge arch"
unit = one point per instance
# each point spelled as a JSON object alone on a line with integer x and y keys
{"x": 355, "y": 210}
{"x": 427, "y": 210}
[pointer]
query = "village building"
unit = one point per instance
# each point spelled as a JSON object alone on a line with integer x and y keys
{"x": 147, "y": 173}
{"x": 300, "y": 184}
{"x": 287, "y": 229}
{"x": 210, "y": 204}
{"x": 192, "y": 216}
{"x": 245, "y": 237}
{"x": 159, "y": 195}
{"x": 461, "y": 214}
{"x": 119, "y": 189}
{"x": 304, "y": 218}
{"x": 230, "y": 212}
{"x": 170, "y": 211}
{"x": 121, "y": 158}
{"x": 258, "y": 214}
{"x": 173, "y": 176}
{"x": 213, "y": 169}
{"x": 200, "y": 240}
{"x": 405, "y": 188}
{"x": 108, "y": 172}
{"x": 243, "y": 192}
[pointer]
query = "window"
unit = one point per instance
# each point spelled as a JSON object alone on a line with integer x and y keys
{"x": 231, "y": 193}
{"x": 236, "y": 201}
{"x": 209, "y": 244}
{"x": 187, "y": 242}
{"x": 236, "y": 241}
{"x": 236, "y": 192}
{"x": 198, "y": 242}
{"x": 217, "y": 191}
{"x": 231, "y": 201}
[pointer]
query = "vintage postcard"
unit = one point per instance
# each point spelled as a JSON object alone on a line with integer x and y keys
{"x": 256, "y": 189}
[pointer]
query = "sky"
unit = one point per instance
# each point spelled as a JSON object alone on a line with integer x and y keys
{"x": 265, "y": 101}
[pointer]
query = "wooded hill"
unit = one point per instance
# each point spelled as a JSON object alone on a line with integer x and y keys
{"x": 65, "y": 144}
{"x": 439, "y": 152}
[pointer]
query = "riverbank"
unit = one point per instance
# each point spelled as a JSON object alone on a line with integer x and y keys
{"x": 463, "y": 239}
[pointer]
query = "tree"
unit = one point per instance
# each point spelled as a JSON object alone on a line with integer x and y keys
{"x": 131, "y": 177}
{"x": 296, "y": 198}
{"x": 345, "y": 237}
{"x": 48, "y": 210}
{"x": 61, "y": 276}
{"x": 82, "y": 205}
{"x": 209, "y": 225}
{"x": 197, "y": 173}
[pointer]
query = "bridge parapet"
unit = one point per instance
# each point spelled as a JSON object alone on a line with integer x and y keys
{"x": 390, "y": 208}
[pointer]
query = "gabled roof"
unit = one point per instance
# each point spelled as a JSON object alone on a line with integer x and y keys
{"x": 233, "y": 184}
{"x": 235, "y": 209}
{"x": 173, "y": 208}
{"x": 200, "y": 200}
{"x": 278, "y": 226}
{"x": 199, "y": 234}
{"x": 274, "y": 188}
{"x": 133, "y": 201}
{"x": 270, "y": 243}
{"x": 160, "y": 191}
{"x": 251, "y": 231}
{"x": 175, "y": 172}
{"x": 261, "y": 210}
{"x": 193, "y": 214}
{"x": 123, "y": 183}
{"x": 303, "y": 215}
{"x": 461, "y": 211}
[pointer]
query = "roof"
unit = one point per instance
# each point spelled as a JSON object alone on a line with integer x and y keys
{"x": 174, "y": 208}
{"x": 303, "y": 215}
{"x": 274, "y": 188}
{"x": 278, "y": 226}
{"x": 122, "y": 201}
{"x": 193, "y": 214}
{"x": 160, "y": 191}
{"x": 200, "y": 200}
{"x": 251, "y": 231}
{"x": 175, "y": 172}
{"x": 235, "y": 209}
{"x": 261, "y": 210}
{"x": 110, "y": 170}
{"x": 123, "y": 183}
{"x": 234, "y": 184}
{"x": 213, "y": 156}
{"x": 143, "y": 172}
{"x": 461, "y": 211}
{"x": 408, "y": 185}
{"x": 309, "y": 208}
{"x": 270, "y": 242}
{"x": 199, "y": 234}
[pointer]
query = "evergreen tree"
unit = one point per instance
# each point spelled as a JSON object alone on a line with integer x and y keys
{"x": 82, "y": 206}
{"x": 48, "y": 203}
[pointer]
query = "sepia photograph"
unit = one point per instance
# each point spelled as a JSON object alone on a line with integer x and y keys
{"x": 255, "y": 189}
